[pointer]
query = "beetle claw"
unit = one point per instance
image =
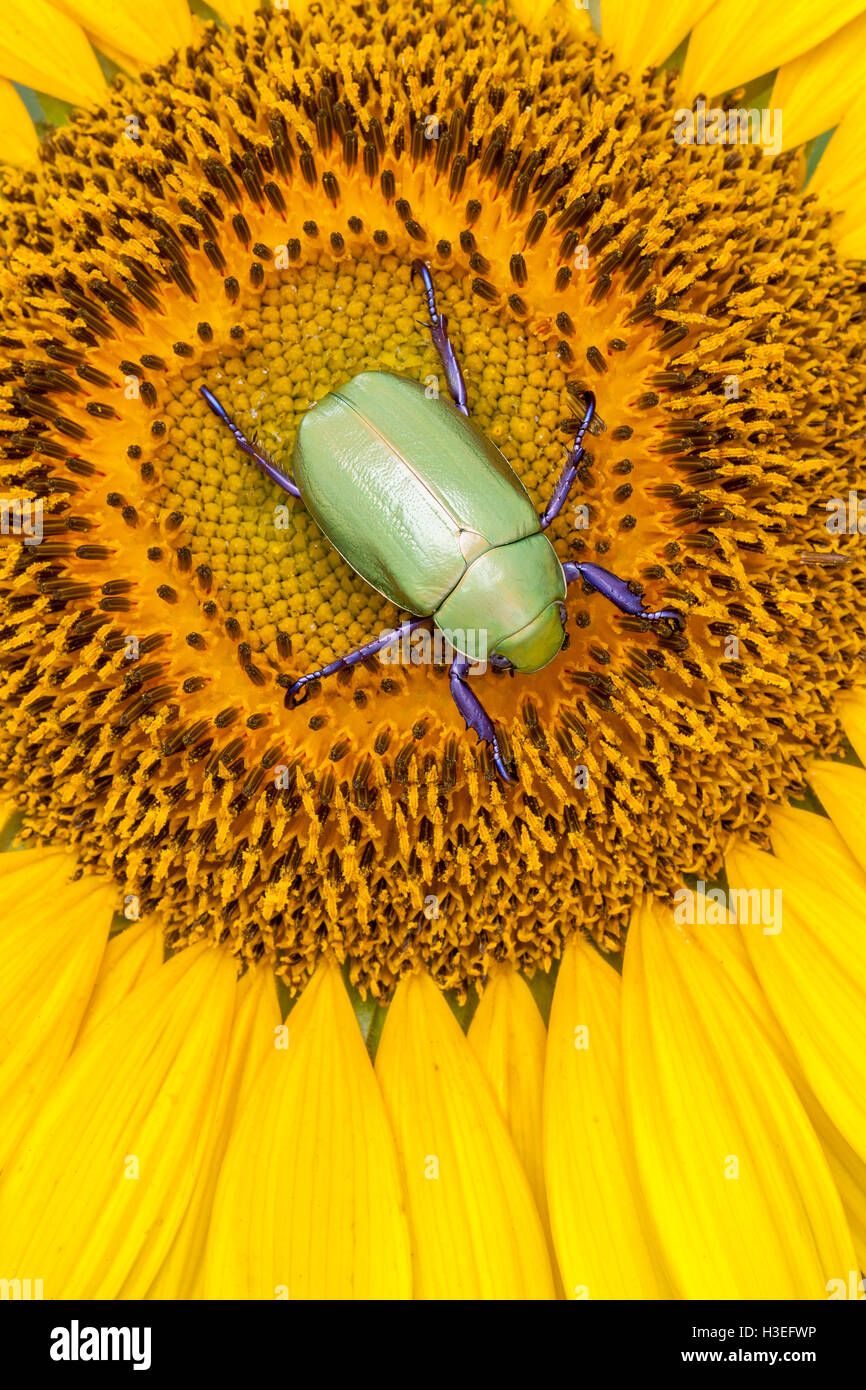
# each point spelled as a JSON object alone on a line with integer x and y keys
{"x": 500, "y": 766}
{"x": 300, "y": 688}
{"x": 671, "y": 614}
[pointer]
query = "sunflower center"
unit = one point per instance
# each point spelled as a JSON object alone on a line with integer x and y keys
{"x": 262, "y": 247}
{"x": 257, "y": 551}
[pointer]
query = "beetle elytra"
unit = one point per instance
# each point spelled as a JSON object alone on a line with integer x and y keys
{"x": 431, "y": 514}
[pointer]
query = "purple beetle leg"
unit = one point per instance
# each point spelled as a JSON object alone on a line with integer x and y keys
{"x": 261, "y": 459}
{"x": 569, "y": 472}
{"x": 343, "y": 663}
{"x": 618, "y": 592}
{"x": 441, "y": 341}
{"x": 474, "y": 713}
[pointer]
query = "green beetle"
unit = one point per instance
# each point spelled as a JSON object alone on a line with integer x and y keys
{"x": 431, "y": 514}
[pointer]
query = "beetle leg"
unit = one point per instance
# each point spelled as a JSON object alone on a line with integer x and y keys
{"x": 343, "y": 663}
{"x": 474, "y": 713}
{"x": 261, "y": 459}
{"x": 569, "y": 472}
{"x": 439, "y": 329}
{"x": 618, "y": 592}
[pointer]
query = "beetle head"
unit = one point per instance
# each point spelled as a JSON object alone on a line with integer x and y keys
{"x": 536, "y": 644}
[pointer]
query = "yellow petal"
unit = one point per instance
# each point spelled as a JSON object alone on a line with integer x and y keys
{"x": 644, "y": 33}
{"x": 95, "y": 1193}
{"x": 841, "y": 790}
{"x": 244, "y": 11}
{"x": 240, "y": 11}
{"x": 731, "y": 1168}
{"x": 52, "y": 937}
{"x": 149, "y": 34}
{"x": 812, "y": 844}
{"x": 741, "y": 39}
{"x": 309, "y": 1203}
{"x": 813, "y": 972}
{"x": 727, "y": 945}
{"x": 604, "y": 1242}
{"x": 851, "y": 241}
{"x": 257, "y": 1016}
{"x": 19, "y": 143}
{"x": 508, "y": 1038}
{"x": 476, "y": 1232}
{"x": 130, "y": 958}
{"x": 840, "y": 178}
{"x": 848, "y": 1171}
{"x": 536, "y": 13}
{"x": 42, "y": 48}
{"x": 852, "y": 713}
{"x": 817, "y": 88}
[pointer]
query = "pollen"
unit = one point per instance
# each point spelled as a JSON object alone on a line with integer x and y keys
{"x": 256, "y": 236}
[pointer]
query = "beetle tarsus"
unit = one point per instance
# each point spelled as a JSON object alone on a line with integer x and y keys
{"x": 572, "y": 463}
{"x": 388, "y": 639}
{"x": 423, "y": 273}
{"x": 438, "y": 326}
{"x": 617, "y": 592}
{"x": 474, "y": 714}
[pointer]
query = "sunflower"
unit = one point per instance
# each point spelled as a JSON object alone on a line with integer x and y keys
{"x": 300, "y": 1000}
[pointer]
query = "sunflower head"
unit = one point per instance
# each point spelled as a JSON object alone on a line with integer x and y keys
{"x": 252, "y": 229}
